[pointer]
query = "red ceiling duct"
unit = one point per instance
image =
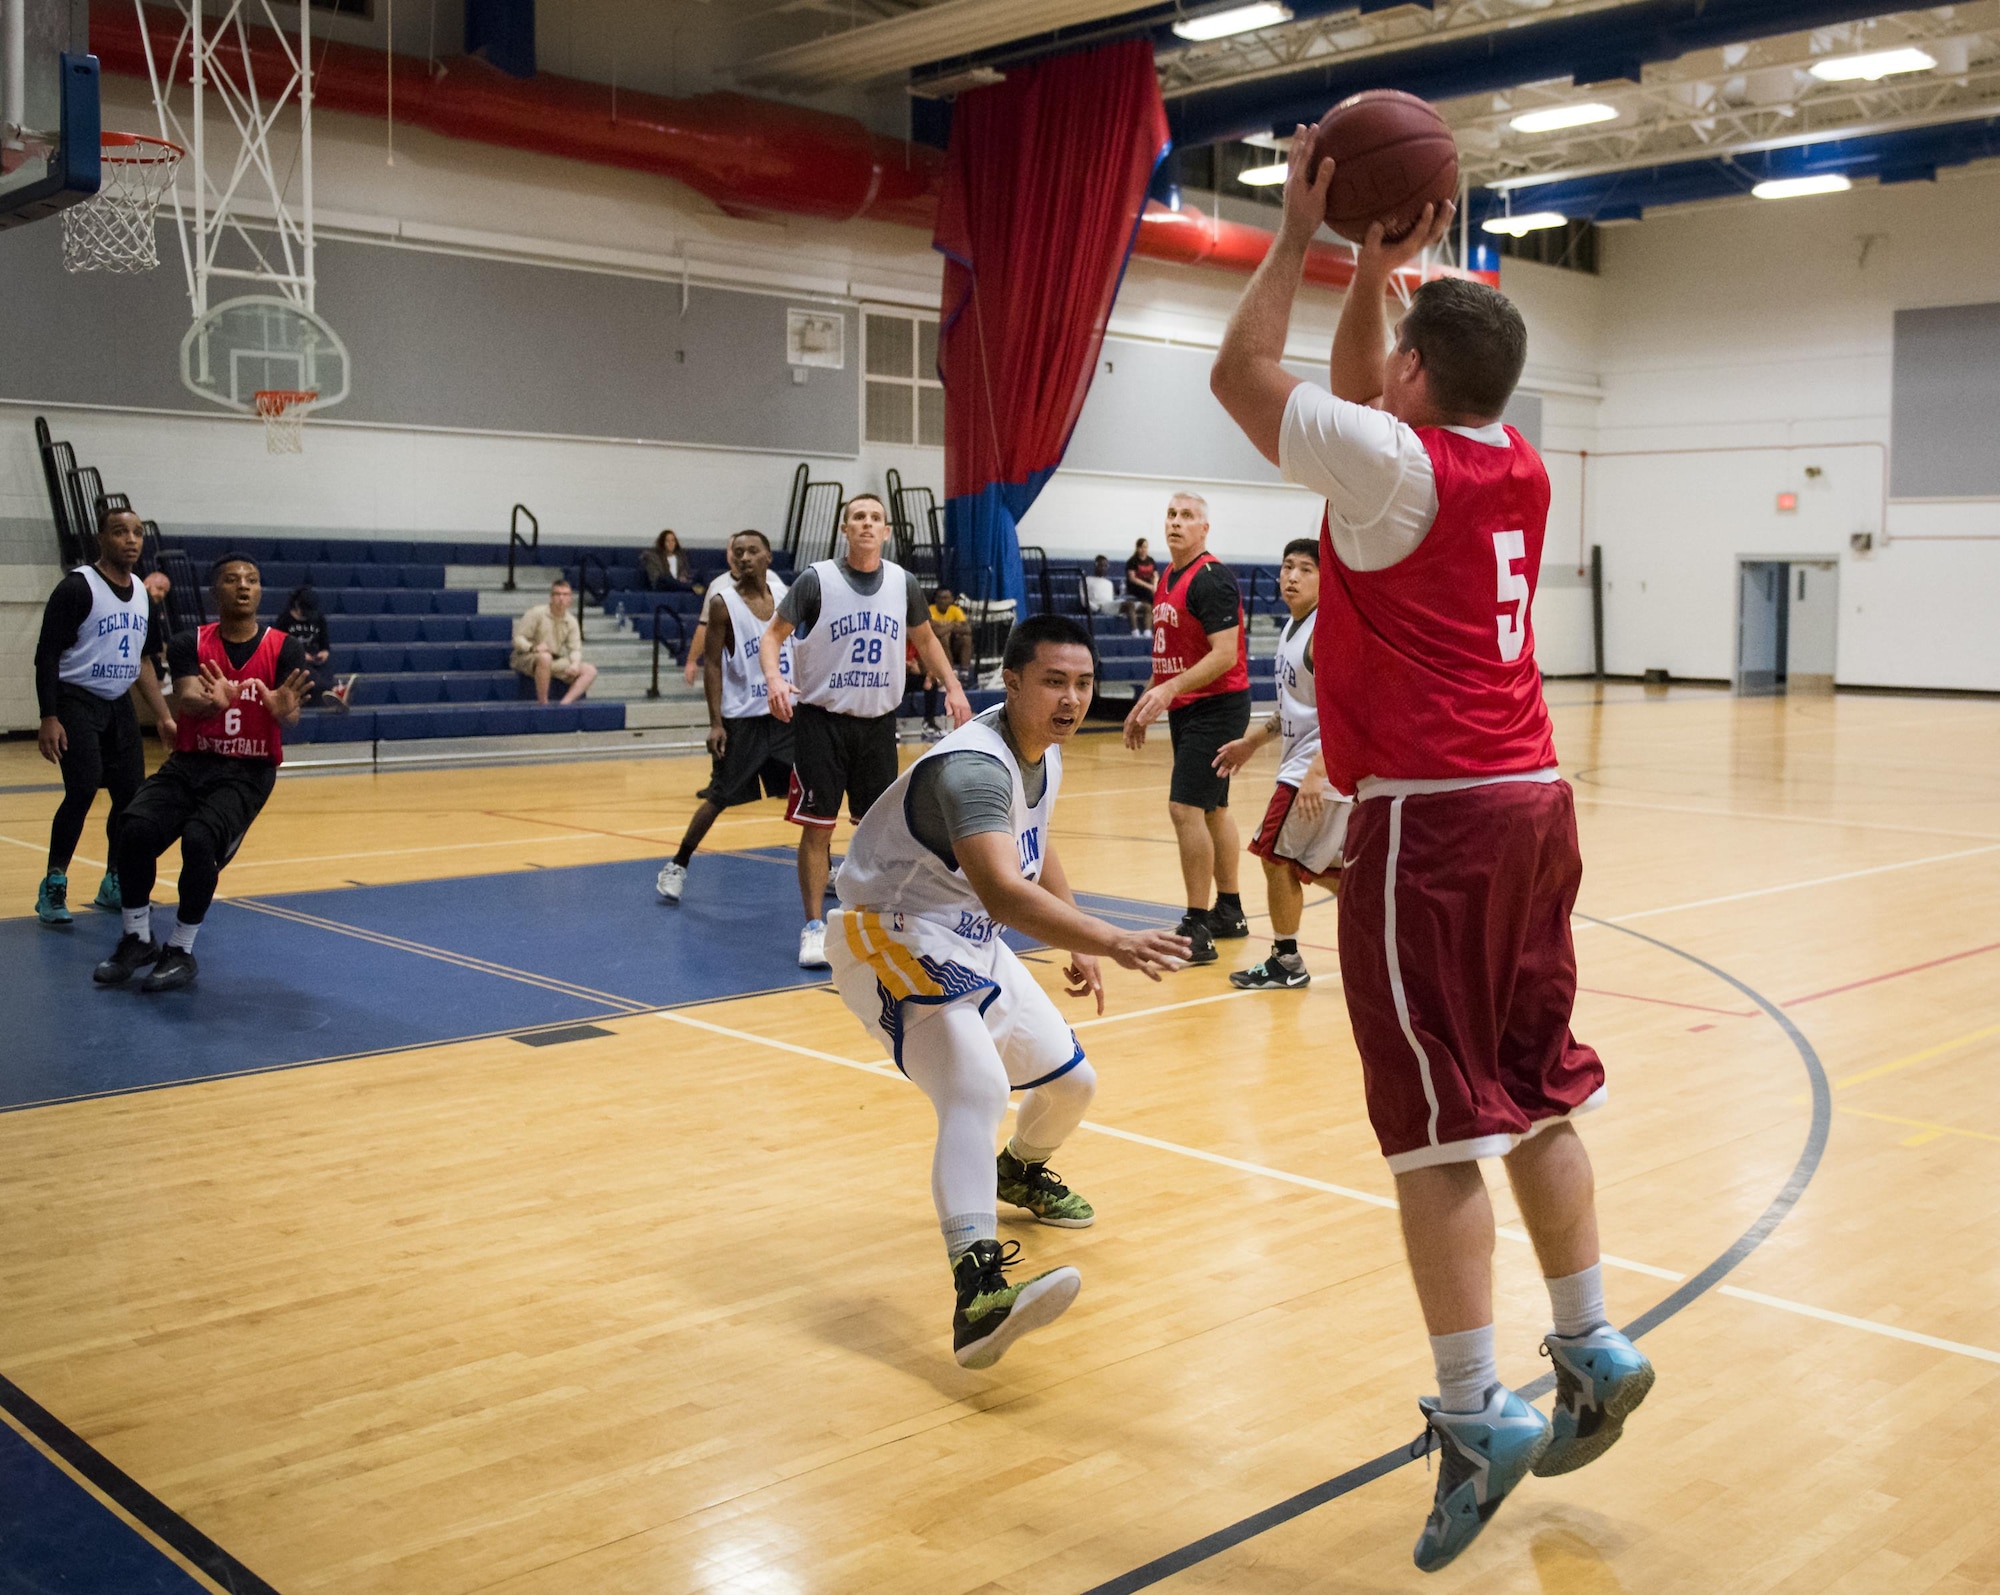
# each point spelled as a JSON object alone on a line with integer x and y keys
{"x": 748, "y": 156}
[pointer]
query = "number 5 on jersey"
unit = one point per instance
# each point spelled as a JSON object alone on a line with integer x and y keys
{"x": 1513, "y": 589}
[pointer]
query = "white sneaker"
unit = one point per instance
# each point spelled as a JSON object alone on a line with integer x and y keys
{"x": 812, "y": 946}
{"x": 672, "y": 878}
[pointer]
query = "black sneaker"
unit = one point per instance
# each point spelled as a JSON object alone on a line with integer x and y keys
{"x": 1227, "y": 924}
{"x": 1201, "y": 941}
{"x": 993, "y": 1314}
{"x": 175, "y": 969}
{"x": 1279, "y": 972}
{"x": 132, "y": 954}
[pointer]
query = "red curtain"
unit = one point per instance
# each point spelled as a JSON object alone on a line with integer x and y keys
{"x": 1044, "y": 183}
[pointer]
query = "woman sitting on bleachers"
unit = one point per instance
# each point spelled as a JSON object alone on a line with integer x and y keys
{"x": 666, "y": 566}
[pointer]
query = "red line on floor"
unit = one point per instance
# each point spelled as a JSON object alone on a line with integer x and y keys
{"x": 1949, "y": 958}
{"x": 1668, "y": 1002}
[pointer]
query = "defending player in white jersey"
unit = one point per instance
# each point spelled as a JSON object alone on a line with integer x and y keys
{"x": 1306, "y": 821}
{"x": 750, "y": 747}
{"x": 957, "y": 850}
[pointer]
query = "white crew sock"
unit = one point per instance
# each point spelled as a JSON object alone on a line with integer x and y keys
{"x": 139, "y": 922}
{"x": 183, "y": 935}
{"x": 1466, "y": 1368}
{"x": 962, "y": 1229}
{"x": 1577, "y": 1300}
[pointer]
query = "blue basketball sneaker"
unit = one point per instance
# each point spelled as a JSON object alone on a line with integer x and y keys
{"x": 1481, "y": 1457}
{"x": 1600, "y": 1378}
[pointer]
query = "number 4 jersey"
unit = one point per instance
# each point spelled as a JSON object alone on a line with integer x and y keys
{"x": 1426, "y": 668}
{"x": 246, "y": 729}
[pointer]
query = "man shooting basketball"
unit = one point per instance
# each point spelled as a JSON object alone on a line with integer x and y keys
{"x": 237, "y": 686}
{"x": 1462, "y": 864}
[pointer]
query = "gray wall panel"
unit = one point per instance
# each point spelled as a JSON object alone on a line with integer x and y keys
{"x": 1151, "y": 414}
{"x": 452, "y": 341}
{"x": 1945, "y": 408}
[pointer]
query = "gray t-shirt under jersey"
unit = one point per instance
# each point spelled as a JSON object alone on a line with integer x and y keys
{"x": 957, "y": 795}
{"x": 800, "y": 605}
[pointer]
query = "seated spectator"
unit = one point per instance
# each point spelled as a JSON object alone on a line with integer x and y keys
{"x": 1141, "y": 578}
{"x": 666, "y": 566}
{"x": 952, "y": 628}
{"x": 305, "y": 622}
{"x": 1099, "y": 596}
{"x": 548, "y": 645}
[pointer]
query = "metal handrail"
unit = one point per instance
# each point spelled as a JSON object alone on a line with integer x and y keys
{"x": 584, "y": 561}
{"x": 516, "y": 541}
{"x": 680, "y": 626}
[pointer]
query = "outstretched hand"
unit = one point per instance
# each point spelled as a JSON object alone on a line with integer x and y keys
{"x": 218, "y": 689}
{"x": 285, "y": 698}
{"x": 1232, "y": 756}
{"x": 1380, "y": 255}
{"x": 1152, "y": 952}
{"x": 1305, "y": 191}
{"x": 1083, "y": 977}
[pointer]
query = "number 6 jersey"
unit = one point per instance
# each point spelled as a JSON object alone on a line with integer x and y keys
{"x": 246, "y": 729}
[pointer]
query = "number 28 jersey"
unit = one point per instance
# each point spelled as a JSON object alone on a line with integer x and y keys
{"x": 246, "y": 729}
{"x": 851, "y": 662}
{"x": 1426, "y": 669}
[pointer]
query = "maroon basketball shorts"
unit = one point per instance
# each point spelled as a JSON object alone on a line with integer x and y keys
{"x": 1310, "y": 847}
{"x": 1460, "y": 973}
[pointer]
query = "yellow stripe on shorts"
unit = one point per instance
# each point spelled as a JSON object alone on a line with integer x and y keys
{"x": 894, "y": 963}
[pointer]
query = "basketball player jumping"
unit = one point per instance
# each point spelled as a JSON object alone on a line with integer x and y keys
{"x": 1462, "y": 866}
{"x": 1306, "y": 820}
{"x": 751, "y": 751}
{"x": 99, "y": 632}
{"x": 851, "y": 617}
{"x": 237, "y": 685}
{"x": 957, "y": 850}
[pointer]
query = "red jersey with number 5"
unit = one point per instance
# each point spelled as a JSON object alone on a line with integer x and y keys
{"x": 246, "y": 729}
{"x": 1426, "y": 670}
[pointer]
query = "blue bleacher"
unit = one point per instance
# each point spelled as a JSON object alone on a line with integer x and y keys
{"x": 430, "y": 665}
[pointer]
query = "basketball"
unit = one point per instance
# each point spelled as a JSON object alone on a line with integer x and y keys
{"x": 1392, "y": 156}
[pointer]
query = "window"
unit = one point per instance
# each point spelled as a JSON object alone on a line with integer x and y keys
{"x": 904, "y": 402}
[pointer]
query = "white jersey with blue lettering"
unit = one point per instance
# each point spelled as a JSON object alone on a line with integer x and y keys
{"x": 911, "y": 938}
{"x": 744, "y": 690}
{"x": 851, "y": 662}
{"x": 111, "y": 642}
{"x": 1298, "y": 709}
{"x": 888, "y": 869}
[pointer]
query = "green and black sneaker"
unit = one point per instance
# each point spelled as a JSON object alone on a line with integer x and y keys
{"x": 1034, "y": 1186}
{"x": 993, "y": 1314}
{"x": 52, "y": 899}
{"x": 108, "y": 897}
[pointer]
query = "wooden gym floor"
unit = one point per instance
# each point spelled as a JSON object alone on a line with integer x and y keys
{"x": 656, "y": 1303}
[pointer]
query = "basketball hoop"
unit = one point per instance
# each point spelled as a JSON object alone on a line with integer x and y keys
{"x": 113, "y": 231}
{"x": 284, "y": 412}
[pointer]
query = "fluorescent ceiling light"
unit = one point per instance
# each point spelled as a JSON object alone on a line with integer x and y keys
{"x": 1239, "y": 19}
{"x": 1529, "y": 222}
{"x": 1794, "y": 187}
{"x": 1262, "y": 176}
{"x": 1558, "y": 116}
{"x": 1879, "y": 64}
{"x": 1269, "y": 141}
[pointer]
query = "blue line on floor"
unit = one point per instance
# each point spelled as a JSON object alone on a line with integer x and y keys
{"x": 1212, "y": 1545}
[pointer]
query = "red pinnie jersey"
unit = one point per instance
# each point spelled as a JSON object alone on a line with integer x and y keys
{"x": 1426, "y": 670}
{"x": 1179, "y": 641}
{"x": 246, "y": 729}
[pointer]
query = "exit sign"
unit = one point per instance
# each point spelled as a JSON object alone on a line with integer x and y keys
{"x": 1787, "y": 502}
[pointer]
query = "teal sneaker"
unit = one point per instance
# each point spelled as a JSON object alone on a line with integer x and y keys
{"x": 993, "y": 1314}
{"x": 1601, "y": 1378}
{"x": 108, "y": 897}
{"x": 52, "y": 900}
{"x": 1481, "y": 1457}
{"x": 1034, "y": 1186}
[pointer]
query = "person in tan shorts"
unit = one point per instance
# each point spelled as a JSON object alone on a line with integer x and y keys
{"x": 548, "y": 646}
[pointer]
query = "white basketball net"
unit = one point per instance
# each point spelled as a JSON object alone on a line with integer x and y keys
{"x": 284, "y": 416}
{"x": 113, "y": 231}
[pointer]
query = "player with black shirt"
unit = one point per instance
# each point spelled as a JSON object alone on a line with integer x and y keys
{"x": 99, "y": 629}
{"x": 237, "y": 685}
{"x": 1201, "y": 683}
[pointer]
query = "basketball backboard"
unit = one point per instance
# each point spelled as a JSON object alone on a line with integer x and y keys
{"x": 48, "y": 109}
{"x": 259, "y": 343}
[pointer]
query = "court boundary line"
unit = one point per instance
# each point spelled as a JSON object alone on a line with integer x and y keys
{"x": 105, "y": 1476}
{"x": 1232, "y": 1535}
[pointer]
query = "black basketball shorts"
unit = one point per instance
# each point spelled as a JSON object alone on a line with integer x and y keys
{"x": 1199, "y": 731}
{"x": 211, "y": 791}
{"x": 756, "y": 762}
{"x": 836, "y": 755}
